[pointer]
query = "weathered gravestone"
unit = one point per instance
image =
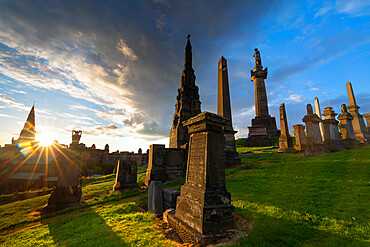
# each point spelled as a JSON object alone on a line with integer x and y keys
{"x": 204, "y": 210}
{"x": 285, "y": 140}
{"x": 348, "y": 135}
{"x": 358, "y": 121}
{"x": 156, "y": 165}
{"x": 169, "y": 198}
{"x": 314, "y": 145}
{"x": 155, "y": 198}
{"x": 300, "y": 137}
{"x": 126, "y": 176}
{"x": 332, "y": 138}
{"x": 68, "y": 192}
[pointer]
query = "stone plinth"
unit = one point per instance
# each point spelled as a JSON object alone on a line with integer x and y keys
{"x": 358, "y": 123}
{"x": 348, "y": 135}
{"x": 314, "y": 145}
{"x": 204, "y": 205}
{"x": 126, "y": 176}
{"x": 285, "y": 140}
{"x": 332, "y": 138}
{"x": 300, "y": 137}
{"x": 224, "y": 110}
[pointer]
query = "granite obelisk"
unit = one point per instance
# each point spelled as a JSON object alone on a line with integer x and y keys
{"x": 224, "y": 109}
{"x": 187, "y": 102}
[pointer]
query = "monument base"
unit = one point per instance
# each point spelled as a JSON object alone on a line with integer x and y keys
{"x": 63, "y": 197}
{"x": 269, "y": 123}
{"x": 315, "y": 150}
{"x": 334, "y": 145}
{"x": 262, "y": 128}
{"x": 351, "y": 143}
{"x": 258, "y": 141}
{"x": 189, "y": 235}
{"x": 286, "y": 145}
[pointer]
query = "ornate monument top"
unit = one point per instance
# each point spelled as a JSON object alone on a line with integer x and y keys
{"x": 344, "y": 108}
{"x": 257, "y": 57}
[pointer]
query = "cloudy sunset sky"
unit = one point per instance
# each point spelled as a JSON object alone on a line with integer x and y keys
{"x": 112, "y": 68}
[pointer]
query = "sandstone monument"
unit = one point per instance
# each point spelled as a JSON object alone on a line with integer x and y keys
{"x": 318, "y": 113}
{"x": 358, "y": 121}
{"x": 187, "y": 102}
{"x": 224, "y": 109}
{"x": 367, "y": 116}
{"x": 300, "y": 137}
{"x": 348, "y": 135}
{"x": 126, "y": 176}
{"x": 263, "y": 125}
{"x": 204, "y": 208}
{"x": 285, "y": 140}
{"x": 332, "y": 138}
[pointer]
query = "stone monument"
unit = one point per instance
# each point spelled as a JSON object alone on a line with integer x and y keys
{"x": 285, "y": 140}
{"x": 187, "y": 102}
{"x": 156, "y": 164}
{"x": 300, "y": 137}
{"x": 348, "y": 135}
{"x": 126, "y": 176}
{"x": 358, "y": 121}
{"x": 318, "y": 113}
{"x": 367, "y": 116}
{"x": 224, "y": 109}
{"x": 204, "y": 209}
{"x": 332, "y": 138}
{"x": 314, "y": 144}
{"x": 263, "y": 125}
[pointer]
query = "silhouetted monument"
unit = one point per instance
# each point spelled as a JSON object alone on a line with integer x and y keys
{"x": 224, "y": 109}
{"x": 28, "y": 132}
{"x": 318, "y": 113}
{"x": 285, "y": 140}
{"x": 358, "y": 121}
{"x": 187, "y": 102}
{"x": 126, "y": 176}
{"x": 204, "y": 207}
{"x": 263, "y": 125}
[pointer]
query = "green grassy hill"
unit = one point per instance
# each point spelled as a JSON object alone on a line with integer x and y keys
{"x": 289, "y": 200}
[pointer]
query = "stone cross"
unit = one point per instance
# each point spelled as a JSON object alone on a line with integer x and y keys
{"x": 285, "y": 140}
{"x": 204, "y": 205}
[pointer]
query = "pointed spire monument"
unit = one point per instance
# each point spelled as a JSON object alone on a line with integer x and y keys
{"x": 224, "y": 109}
{"x": 28, "y": 132}
{"x": 187, "y": 102}
{"x": 263, "y": 125}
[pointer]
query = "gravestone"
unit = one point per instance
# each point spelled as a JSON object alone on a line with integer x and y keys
{"x": 285, "y": 140}
{"x": 348, "y": 135}
{"x": 155, "y": 198}
{"x": 318, "y": 113}
{"x": 68, "y": 192}
{"x": 126, "y": 176}
{"x": 224, "y": 110}
{"x": 314, "y": 144}
{"x": 300, "y": 137}
{"x": 156, "y": 165}
{"x": 358, "y": 120}
{"x": 169, "y": 198}
{"x": 204, "y": 209}
{"x": 332, "y": 138}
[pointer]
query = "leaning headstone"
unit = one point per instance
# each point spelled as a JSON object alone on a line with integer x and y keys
{"x": 314, "y": 145}
{"x": 204, "y": 211}
{"x": 155, "y": 198}
{"x": 348, "y": 135}
{"x": 285, "y": 140}
{"x": 68, "y": 192}
{"x": 318, "y": 113}
{"x": 300, "y": 137}
{"x": 358, "y": 121}
{"x": 332, "y": 138}
{"x": 126, "y": 176}
{"x": 156, "y": 165}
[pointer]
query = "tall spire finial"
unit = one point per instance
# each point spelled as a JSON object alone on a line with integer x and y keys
{"x": 188, "y": 54}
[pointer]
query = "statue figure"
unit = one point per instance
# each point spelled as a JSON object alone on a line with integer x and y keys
{"x": 257, "y": 57}
{"x": 344, "y": 108}
{"x": 309, "y": 109}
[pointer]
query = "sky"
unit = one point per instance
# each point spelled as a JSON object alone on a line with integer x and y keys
{"x": 112, "y": 68}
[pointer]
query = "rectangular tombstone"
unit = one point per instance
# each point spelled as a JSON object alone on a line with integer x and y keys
{"x": 126, "y": 176}
{"x": 156, "y": 165}
{"x": 204, "y": 205}
{"x": 155, "y": 198}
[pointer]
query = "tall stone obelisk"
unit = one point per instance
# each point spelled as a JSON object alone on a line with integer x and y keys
{"x": 285, "y": 140}
{"x": 224, "y": 109}
{"x": 187, "y": 102}
{"x": 318, "y": 113}
{"x": 263, "y": 125}
{"x": 358, "y": 123}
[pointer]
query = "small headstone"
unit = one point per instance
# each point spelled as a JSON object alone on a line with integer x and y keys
{"x": 285, "y": 140}
{"x": 169, "y": 198}
{"x": 332, "y": 138}
{"x": 348, "y": 135}
{"x": 155, "y": 198}
{"x": 300, "y": 137}
{"x": 126, "y": 176}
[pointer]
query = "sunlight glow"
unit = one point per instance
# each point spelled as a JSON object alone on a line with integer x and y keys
{"x": 45, "y": 138}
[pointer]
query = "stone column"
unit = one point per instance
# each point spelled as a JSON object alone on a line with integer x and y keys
{"x": 156, "y": 165}
{"x": 348, "y": 135}
{"x": 314, "y": 140}
{"x": 358, "y": 121}
{"x": 318, "y": 113}
{"x": 258, "y": 75}
{"x": 224, "y": 109}
{"x": 285, "y": 140}
{"x": 300, "y": 137}
{"x": 204, "y": 206}
{"x": 332, "y": 138}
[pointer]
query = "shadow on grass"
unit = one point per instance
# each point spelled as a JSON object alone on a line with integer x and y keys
{"x": 82, "y": 227}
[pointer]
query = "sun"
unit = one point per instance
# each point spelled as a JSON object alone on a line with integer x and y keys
{"x": 45, "y": 138}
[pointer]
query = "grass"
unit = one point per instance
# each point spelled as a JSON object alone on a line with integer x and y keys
{"x": 290, "y": 201}
{"x": 243, "y": 150}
